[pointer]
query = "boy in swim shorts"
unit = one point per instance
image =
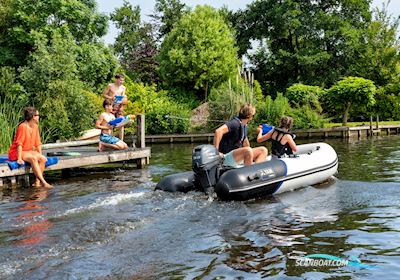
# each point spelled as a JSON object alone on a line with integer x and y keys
{"x": 116, "y": 92}
{"x": 107, "y": 140}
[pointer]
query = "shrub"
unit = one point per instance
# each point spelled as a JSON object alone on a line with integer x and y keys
{"x": 163, "y": 114}
{"x": 50, "y": 78}
{"x": 95, "y": 101}
{"x": 167, "y": 117}
{"x": 184, "y": 96}
{"x": 270, "y": 111}
{"x": 305, "y": 117}
{"x": 387, "y": 105}
{"x": 300, "y": 95}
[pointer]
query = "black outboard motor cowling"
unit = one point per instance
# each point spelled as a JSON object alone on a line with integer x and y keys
{"x": 206, "y": 164}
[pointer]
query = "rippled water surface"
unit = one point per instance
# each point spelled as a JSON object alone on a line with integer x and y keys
{"x": 112, "y": 225}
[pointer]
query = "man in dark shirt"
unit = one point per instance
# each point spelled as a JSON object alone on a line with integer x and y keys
{"x": 231, "y": 140}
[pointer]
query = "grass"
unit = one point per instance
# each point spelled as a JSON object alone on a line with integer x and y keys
{"x": 362, "y": 123}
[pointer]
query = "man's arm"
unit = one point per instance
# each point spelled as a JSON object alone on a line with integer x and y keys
{"x": 219, "y": 132}
{"x": 106, "y": 92}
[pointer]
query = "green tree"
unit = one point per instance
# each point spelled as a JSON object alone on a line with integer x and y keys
{"x": 168, "y": 12}
{"x": 127, "y": 20}
{"x": 79, "y": 18}
{"x": 52, "y": 83}
{"x": 381, "y": 50}
{"x": 96, "y": 65}
{"x": 351, "y": 91}
{"x": 310, "y": 42}
{"x": 136, "y": 44}
{"x": 199, "y": 53}
{"x": 55, "y": 46}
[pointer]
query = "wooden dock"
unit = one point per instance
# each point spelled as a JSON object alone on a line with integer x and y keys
{"x": 88, "y": 156}
{"x": 345, "y": 132}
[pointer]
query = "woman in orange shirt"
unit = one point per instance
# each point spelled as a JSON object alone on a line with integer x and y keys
{"x": 26, "y": 138}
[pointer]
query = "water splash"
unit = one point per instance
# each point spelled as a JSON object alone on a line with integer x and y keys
{"x": 104, "y": 202}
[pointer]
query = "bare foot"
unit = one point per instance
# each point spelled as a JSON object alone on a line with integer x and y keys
{"x": 47, "y": 186}
{"x": 101, "y": 147}
{"x": 37, "y": 184}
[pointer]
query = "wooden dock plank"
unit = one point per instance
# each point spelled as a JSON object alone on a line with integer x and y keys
{"x": 89, "y": 158}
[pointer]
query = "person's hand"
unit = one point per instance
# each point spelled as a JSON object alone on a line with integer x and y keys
{"x": 20, "y": 161}
{"x": 221, "y": 155}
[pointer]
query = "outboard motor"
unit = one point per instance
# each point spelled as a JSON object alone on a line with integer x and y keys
{"x": 206, "y": 164}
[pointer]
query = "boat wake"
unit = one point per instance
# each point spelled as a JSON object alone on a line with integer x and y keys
{"x": 104, "y": 202}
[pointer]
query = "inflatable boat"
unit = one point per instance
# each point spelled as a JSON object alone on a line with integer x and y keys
{"x": 311, "y": 164}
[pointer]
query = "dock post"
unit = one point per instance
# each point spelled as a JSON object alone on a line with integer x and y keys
{"x": 141, "y": 131}
{"x": 370, "y": 126}
{"x": 24, "y": 180}
{"x": 141, "y": 162}
{"x": 13, "y": 181}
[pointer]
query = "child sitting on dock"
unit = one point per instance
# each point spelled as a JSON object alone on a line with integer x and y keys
{"x": 107, "y": 140}
{"x": 26, "y": 146}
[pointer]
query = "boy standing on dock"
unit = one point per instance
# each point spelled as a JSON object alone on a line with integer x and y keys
{"x": 116, "y": 92}
{"x": 106, "y": 137}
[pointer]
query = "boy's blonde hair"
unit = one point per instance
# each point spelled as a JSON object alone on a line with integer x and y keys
{"x": 246, "y": 111}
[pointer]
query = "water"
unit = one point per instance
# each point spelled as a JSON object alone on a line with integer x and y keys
{"x": 112, "y": 225}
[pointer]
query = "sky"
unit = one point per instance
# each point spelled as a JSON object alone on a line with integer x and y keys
{"x": 147, "y": 7}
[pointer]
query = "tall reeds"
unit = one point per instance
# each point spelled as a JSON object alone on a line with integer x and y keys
{"x": 10, "y": 117}
{"x": 225, "y": 101}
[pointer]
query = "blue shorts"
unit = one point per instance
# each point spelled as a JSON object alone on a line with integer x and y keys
{"x": 108, "y": 139}
{"x": 230, "y": 161}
